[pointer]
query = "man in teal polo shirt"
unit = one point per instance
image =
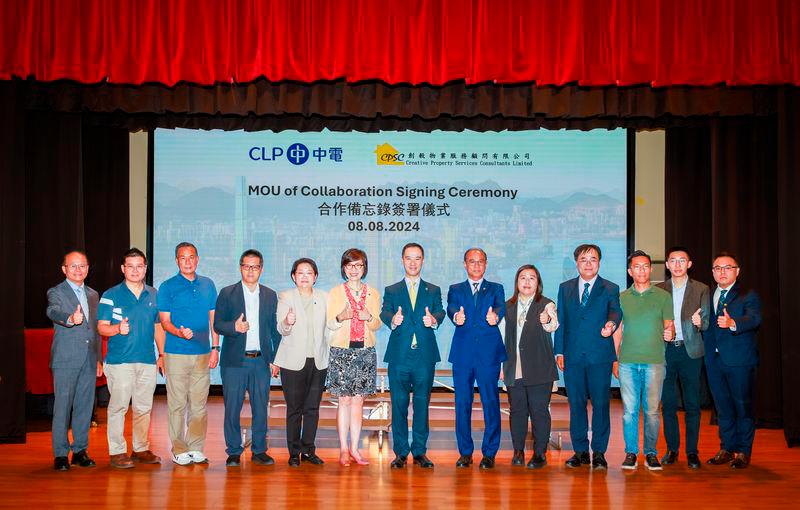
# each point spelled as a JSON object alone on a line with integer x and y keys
{"x": 647, "y": 324}
{"x": 128, "y": 316}
{"x": 186, "y": 308}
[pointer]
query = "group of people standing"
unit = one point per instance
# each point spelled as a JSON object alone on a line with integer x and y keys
{"x": 314, "y": 339}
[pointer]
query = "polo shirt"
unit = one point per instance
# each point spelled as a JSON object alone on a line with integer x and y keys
{"x": 138, "y": 346}
{"x": 643, "y": 332}
{"x": 188, "y": 303}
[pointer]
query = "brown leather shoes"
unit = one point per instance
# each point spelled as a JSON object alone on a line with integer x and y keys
{"x": 741, "y": 461}
{"x": 145, "y": 457}
{"x": 722, "y": 457}
{"x": 121, "y": 461}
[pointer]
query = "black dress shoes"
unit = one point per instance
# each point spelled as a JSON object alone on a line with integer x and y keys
{"x": 398, "y": 462}
{"x": 294, "y": 460}
{"x": 82, "y": 459}
{"x": 464, "y": 461}
{"x": 61, "y": 464}
{"x": 519, "y": 458}
{"x": 487, "y": 463}
{"x": 580, "y": 458}
{"x": 669, "y": 458}
{"x": 312, "y": 458}
{"x": 233, "y": 461}
{"x": 537, "y": 462}
{"x": 741, "y": 461}
{"x": 599, "y": 461}
{"x": 693, "y": 460}
{"x": 263, "y": 459}
{"x": 722, "y": 457}
{"x": 423, "y": 461}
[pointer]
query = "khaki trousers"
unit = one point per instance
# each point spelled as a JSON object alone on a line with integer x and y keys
{"x": 129, "y": 382}
{"x": 188, "y": 379}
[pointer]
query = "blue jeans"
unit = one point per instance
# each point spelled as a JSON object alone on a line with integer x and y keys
{"x": 640, "y": 385}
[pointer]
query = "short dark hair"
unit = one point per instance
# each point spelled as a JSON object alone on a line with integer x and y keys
{"x": 70, "y": 252}
{"x": 352, "y": 255}
{"x": 475, "y": 249}
{"x": 413, "y": 245}
{"x": 537, "y": 296}
{"x": 133, "y": 253}
{"x": 185, "y": 244}
{"x": 304, "y": 260}
{"x": 678, "y": 248}
{"x": 252, "y": 253}
{"x": 725, "y": 254}
{"x": 583, "y": 248}
{"x": 639, "y": 253}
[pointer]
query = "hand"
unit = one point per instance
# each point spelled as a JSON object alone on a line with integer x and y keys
{"x": 724, "y": 321}
{"x": 459, "y": 317}
{"x": 697, "y": 320}
{"x": 124, "y": 327}
{"x": 607, "y": 330}
{"x": 345, "y": 314}
{"x": 560, "y": 362}
{"x": 99, "y": 369}
{"x": 397, "y": 318}
{"x": 186, "y": 333}
{"x": 615, "y": 369}
{"x": 364, "y": 315}
{"x": 544, "y": 317}
{"x": 291, "y": 318}
{"x": 669, "y": 334}
{"x": 501, "y": 372}
{"x": 491, "y": 317}
{"x": 77, "y": 316}
{"x": 274, "y": 370}
{"x": 161, "y": 367}
{"x": 429, "y": 320}
{"x": 213, "y": 359}
{"x": 241, "y": 325}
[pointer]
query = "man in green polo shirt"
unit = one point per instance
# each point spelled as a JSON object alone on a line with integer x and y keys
{"x": 647, "y": 324}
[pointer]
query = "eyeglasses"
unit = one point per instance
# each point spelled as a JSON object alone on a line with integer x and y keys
{"x": 719, "y": 269}
{"x": 678, "y": 262}
{"x": 246, "y": 267}
{"x": 138, "y": 268}
{"x": 357, "y": 265}
{"x": 77, "y": 266}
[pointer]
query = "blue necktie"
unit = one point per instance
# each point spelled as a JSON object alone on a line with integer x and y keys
{"x": 721, "y": 302}
{"x": 585, "y": 295}
{"x": 475, "y": 293}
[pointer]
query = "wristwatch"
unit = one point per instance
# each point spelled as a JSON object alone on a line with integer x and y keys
{"x": 215, "y": 348}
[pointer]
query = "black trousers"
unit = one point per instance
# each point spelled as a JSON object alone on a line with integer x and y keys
{"x": 680, "y": 367}
{"x": 302, "y": 390}
{"x": 530, "y": 402}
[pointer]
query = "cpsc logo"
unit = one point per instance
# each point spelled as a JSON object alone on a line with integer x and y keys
{"x": 297, "y": 154}
{"x": 385, "y": 154}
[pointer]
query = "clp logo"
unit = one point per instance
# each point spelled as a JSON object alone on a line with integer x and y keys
{"x": 385, "y": 154}
{"x": 297, "y": 154}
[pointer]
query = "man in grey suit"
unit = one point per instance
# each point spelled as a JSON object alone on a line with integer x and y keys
{"x": 684, "y": 356}
{"x": 72, "y": 306}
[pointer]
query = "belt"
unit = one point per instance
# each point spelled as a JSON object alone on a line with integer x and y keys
{"x": 252, "y": 354}
{"x": 677, "y": 343}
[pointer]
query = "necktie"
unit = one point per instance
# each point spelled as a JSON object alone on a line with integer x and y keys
{"x": 412, "y": 293}
{"x": 475, "y": 293}
{"x": 84, "y": 303}
{"x": 721, "y": 302}
{"x": 585, "y": 295}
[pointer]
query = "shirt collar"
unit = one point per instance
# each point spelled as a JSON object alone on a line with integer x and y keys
{"x": 590, "y": 282}
{"x": 414, "y": 280}
{"x": 647, "y": 291}
{"x": 728, "y": 288}
{"x": 74, "y": 286}
{"x": 251, "y": 292}
{"x": 479, "y": 282}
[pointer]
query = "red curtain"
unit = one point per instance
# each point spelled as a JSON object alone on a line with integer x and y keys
{"x": 549, "y": 42}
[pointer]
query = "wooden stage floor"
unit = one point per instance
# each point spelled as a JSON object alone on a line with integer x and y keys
{"x": 28, "y": 481}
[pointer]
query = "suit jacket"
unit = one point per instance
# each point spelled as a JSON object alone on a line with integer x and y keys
{"x": 535, "y": 347}
{"x": 292, "y": 351}
{"x": 736, "y": 348}
{"x": 579, "y": 333}
{"x": 428, "y": 295}
{"x": 476, "y": 342}
{"x": 230, "y": 304}
{"x": 695, "y": 296}
{"x": 71, "y": 344}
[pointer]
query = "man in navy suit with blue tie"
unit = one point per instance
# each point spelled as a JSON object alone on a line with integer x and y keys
{"x": 731, "y": 360}
{"x": 412, "y": 308}
{"x": 589, "y": 313}
{"x": 476, "y": 307}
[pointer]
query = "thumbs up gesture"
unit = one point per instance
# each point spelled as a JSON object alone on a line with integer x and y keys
{"x": 459, "y": 317}
{"x": 724, "y": 321}
{"x": 241, "y": 325}
{"x": 291, "y": 317}
{"x": 697, "y": 320}
{"x": 345, "y": 314}
{"x": 428, "y": 320}
{"x": 397, "y": 318}
{"x": 491, "y": 317}
{"x": 607, "y": 330}
{"x": 77, "y": 316}
{"x": 186, "y": 333}
{"x": 124, "y": 327}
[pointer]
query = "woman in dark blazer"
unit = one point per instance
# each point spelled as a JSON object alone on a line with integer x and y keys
{"x": 531, "y": 369}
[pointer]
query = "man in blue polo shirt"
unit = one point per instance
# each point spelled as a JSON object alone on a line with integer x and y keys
{"x": 186, "y": 308}
{"x": 128, "y": 316}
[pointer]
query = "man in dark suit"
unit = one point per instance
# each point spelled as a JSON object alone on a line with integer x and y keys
{"x": 412, "y": 309}
{"x": 476, "y": 306}
{"x": 684, "y": 356}
{"x": 72, "y": 306}
{"x": 731, "y": 360}
{"x": 246, "y": 318}
{"x": 589, "y": 313}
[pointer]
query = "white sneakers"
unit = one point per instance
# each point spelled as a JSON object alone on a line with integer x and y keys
{"x": 197, "y": 457}
{"x": 182, "y": 459}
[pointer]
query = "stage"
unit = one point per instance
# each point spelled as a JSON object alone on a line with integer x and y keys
{"x": 27, "y": 479}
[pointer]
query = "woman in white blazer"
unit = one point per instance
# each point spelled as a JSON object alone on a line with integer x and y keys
{"x": 303, "y": 359}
